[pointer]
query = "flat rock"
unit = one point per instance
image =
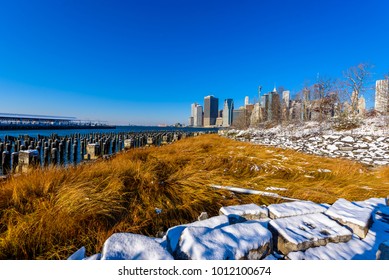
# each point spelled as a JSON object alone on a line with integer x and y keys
{"x": 347, "y": 139}
{"x": 248, "y": 240}
{"x": 294, "y": 208}
{"x": 128, "y": 246}
{"x": 303, "y": 232}
{"x": 173, "y": 234}
{"x": 248, "y": 211}
{"x": 383, "y": 251}
{"x": 358, "y": 218}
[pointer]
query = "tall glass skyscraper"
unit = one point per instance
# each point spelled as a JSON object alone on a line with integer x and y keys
{"x": 211, "y": 107}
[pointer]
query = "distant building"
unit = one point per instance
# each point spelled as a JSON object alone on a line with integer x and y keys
{"x": 192, "y": 113}
{"x": 246, "y": 101}
{"x": 191, "y": 121}
{"x": 361, "y": 106}
{"x": 382, "y": 96}
{"x": 198, "y": 116}
{"x": 286, "y": 98}
{"x": 219, "y": 121}
{"x": 238, "y": 115}
{"x": 211, "y": 107}
{"x": 227, "y": 112}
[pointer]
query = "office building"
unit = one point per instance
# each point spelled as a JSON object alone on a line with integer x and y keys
{"x": 382, "y": 96}
{"x": 227, "y": 112}
{"x": 211, "y": 108}
{"x": 198, "y": 116}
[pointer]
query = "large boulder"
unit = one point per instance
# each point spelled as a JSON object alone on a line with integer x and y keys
{"x": 128, "y": 246}
{"x": 248, "y": 240}
{"x": 357, "y": 218}
{"x": 306, "y": 231}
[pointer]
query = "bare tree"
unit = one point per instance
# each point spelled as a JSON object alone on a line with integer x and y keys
{"x": 355, "y": 84}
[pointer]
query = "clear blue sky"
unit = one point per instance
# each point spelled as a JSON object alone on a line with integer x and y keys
{"x": 146, "y": 61}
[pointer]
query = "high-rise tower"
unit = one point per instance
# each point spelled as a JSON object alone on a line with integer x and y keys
{"x": 227, "y": 112}
{"x": 382, "y": 96}
{"x": 211, "y": 107}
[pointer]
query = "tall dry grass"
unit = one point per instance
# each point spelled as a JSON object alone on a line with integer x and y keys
{"x": 48, "y": 214}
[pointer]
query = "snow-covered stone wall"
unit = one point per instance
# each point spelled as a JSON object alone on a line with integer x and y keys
{"x": 296, "y": 230}
{"x": 371, "y": 150}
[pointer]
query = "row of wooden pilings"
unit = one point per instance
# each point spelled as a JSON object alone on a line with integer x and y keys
{"x": 20, "y": 153}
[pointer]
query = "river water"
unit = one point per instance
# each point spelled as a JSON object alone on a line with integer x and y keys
{"x": 118, "y": 129}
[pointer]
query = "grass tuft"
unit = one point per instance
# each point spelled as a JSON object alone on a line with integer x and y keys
{"x": 50, "y": 213}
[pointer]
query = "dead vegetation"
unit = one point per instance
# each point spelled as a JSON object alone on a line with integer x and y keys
{"x": 48, "y": 214}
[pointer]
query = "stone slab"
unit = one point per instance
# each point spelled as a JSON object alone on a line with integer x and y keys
{"x": 303, "y": 232}
{"x": 248, "y": 211}
{"x": 248, "y": 240}
{"x": 294, "y": 208}
{"x": 357, "y": 218}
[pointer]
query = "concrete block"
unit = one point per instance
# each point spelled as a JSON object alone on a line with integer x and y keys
{"x": 357, "y": 218}
{"x": 248, "y": 211}
{"x": 303, "y": 232}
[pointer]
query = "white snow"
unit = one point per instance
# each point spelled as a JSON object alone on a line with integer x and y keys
{"x": 78, "y": 255}
{"x": 173, "y": 234}
{"x": 128, "y": 246}
{"x": 275, "y": 189}
{"x": 245, "y": 209}
{"x": 230, "y": 242}
{"x": 355, "y": 249}
{"x": 249, "y": 191}
{"x": 294, "y": 208}
{"x": 347, "y": 211}
{"x": 311, "y": 227}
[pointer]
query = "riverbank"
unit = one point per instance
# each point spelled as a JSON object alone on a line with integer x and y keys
{"x": 50, "y": 213}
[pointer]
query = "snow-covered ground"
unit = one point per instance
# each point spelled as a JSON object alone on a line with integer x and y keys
{"x": 368, "y": 143}
{"x": 300, "y": 230}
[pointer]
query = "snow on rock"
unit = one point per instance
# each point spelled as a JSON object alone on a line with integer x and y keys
{"x": 383, "y": 251}
{"x": 128, "y": 246}
{"x": 78, "y": 255}
{"x": 348, "y": 139}
{"x": 173, "y": 234}
{"x": 302, "y": 232}
{"x": 248, "y": 211}
{"x": 357, "y": 218}
{"x": 355, "y": 249}
{"x": 294, "y": 208}
{"x": 248, "y": 240}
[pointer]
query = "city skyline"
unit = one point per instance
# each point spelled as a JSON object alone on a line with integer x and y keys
{"x": 145, "y": 62}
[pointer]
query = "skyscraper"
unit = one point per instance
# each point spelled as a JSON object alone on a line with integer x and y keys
{"x": 198, "y": 116}
{"x": 382, "y": 96}
{"x": 286, "y": 97}
{"x": 192, "y": 113}
{"x": 211, "y": 107}
{"x": 228, "y": 112}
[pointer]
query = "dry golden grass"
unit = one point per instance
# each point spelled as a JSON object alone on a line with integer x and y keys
{"x": 48, "y": 214}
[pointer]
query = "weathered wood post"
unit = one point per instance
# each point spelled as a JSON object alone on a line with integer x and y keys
{"x": 61, "y": 150}
{"x": 6, "y": 162}
{"x": 46, "y": 159}
{"x": 54, "y": 158}
{"x": 15, "y": 160}
{"x": 75, "y": 152}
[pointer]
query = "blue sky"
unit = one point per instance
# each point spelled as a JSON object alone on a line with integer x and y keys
{"x": 146, "y": 61}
